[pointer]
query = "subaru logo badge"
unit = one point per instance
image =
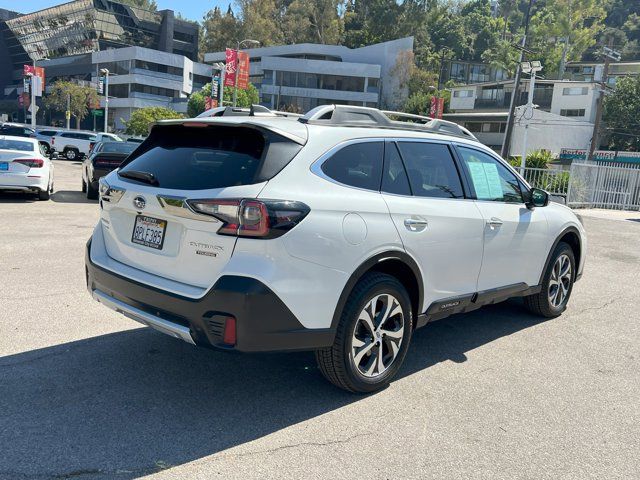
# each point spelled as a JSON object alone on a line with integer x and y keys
{"x": 139, "y": 202}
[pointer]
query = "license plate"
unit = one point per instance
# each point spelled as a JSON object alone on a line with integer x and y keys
{"x": 4, "y": 166}
{"x": 149, "y": 231}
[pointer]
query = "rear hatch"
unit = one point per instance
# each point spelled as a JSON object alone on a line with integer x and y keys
{"x": 17, "y": 157}
{"x": 156, "y": 207}
{"x": 106, "y": 162}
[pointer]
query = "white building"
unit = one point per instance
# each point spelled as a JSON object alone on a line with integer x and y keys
{"x": 141, "y": 77}
{"x": 306, "y": 75}
{"x": 563, "y": 118}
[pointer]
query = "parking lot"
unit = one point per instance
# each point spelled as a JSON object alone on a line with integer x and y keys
{"x": 498, "y": 393}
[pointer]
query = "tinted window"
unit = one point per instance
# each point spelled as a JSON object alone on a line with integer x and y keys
{"x": 394, "y": 178}
{"x": 490, "y": 179}
{"x": 6, "y": 144}
{"x": 86, "y": 136}
{"x": 192, "y": 158}
{"x": 47, "y": 133}
{"x": 68, "y": 135}
{"x": 117, "y": 147}
{"x": 358, "y": 165}
{"x": 431, "y": 169}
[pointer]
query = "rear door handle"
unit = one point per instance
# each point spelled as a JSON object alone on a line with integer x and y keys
{"x": 494, "y": 222}
{"x": 415, "y": 224}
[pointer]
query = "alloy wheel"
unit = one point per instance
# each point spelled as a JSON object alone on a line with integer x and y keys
{"x": 560, "y": 281}
{"x": 377, "y": 335}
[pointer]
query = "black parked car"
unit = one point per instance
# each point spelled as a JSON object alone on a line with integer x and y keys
{"x": 104, "y": 157}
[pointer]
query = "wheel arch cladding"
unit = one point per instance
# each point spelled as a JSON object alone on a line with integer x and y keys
{"x": 571, "y": 237}
{"x": 397, "y": 264}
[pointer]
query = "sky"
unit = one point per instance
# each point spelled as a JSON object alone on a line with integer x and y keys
{"x": 191, "y": 9}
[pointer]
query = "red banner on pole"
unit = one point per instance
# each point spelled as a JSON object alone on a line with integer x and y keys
{"x": 210, "y": 103}
{"x": 243, "y": 70}
{"x": 440, "y": 107}
{"x": 231, "y": 67}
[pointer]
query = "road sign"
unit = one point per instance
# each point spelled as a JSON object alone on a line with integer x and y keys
{"x": 98, "y": 113}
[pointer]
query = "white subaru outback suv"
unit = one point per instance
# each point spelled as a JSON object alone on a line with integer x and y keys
{"x": 339, "y": 232}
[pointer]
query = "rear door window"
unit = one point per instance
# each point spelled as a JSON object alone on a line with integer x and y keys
{"x": 431, "y": 169}
{"x": 357, "y": 165}
{"x": 394, "y": 179}
{"x": 195, "y": 158}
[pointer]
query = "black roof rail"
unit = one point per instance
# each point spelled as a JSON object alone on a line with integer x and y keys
{"x": 353, "y": 116}
{"x": 253, "y": 111}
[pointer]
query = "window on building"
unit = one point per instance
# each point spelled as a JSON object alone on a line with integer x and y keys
{"x": 431, "y": 170}
{"x": 572, "y": 112}
{"x": 463, "y": 93}
{"x": 358, "y": 165}
{"x": 575, "y": 91}
{"x": 157, "y": 67}
{"x": 473, "y": 126}
{"x": 493, "y": 127}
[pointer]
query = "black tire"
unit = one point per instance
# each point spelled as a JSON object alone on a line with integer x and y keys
{"x": 92, "y": 193}
{"x": 71, "y": 154}
{"x": 44, "y": 195}
{"x": 541, "y": 303}
{"x": 336, "y": 362}
{"x": 84, "y": 186}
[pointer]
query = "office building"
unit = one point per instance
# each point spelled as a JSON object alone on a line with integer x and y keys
{"x": 303, "y": 76}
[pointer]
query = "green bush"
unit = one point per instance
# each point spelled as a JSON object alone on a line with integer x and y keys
{"x": 535, "y": 159}
{"x": 142, "y": 119}
{"x": 246, "y": 98}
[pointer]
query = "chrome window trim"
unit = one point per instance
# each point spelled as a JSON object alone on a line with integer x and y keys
{"x": 178, "y": 206}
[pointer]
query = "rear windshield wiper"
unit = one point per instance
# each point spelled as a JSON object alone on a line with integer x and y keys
{"x": 145, "y": 177}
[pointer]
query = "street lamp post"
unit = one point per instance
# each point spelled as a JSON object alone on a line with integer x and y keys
{"x": 105, "y": 72}
{"x": 248, "y": 41}
{"x": 33, "y": 93}
{"x": 531, "y": 68}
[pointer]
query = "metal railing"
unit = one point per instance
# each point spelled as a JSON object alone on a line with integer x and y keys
{"x": 554, "y": 181}
{"x": 598, "y": 185}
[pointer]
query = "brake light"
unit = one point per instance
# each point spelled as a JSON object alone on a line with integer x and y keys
{"x": 53, "y": 141}
{"x": 31, "y": 162}
{"x": 106, "y": 163}
{"x": 252, "y": 218}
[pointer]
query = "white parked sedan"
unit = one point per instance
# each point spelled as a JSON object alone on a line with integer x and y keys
{"x": 24, "y": 167}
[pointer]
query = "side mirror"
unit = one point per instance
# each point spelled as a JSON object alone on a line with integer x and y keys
{"x": 537, "y": 198}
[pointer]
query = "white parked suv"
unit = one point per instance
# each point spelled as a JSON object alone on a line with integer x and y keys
{"x": 339, "y": 232}
{"x": 74, "y": 145}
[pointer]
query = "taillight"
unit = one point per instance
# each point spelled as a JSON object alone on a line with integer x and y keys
{"x": 252, "y": 218}
{"x": 31, "y": 162}
{"x": 106, "y": 163}
{"x": 53, "y": 141}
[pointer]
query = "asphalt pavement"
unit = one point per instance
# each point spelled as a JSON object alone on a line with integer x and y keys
{"x": 495, "y": 394}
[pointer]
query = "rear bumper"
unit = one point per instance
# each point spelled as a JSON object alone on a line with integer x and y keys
{"x": 23, "y": 182}
{"x": 263, "y": 321}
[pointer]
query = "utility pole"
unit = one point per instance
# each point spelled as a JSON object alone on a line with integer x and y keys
{"x": 609, "y": 54}
{"x": 532, "y": 68}
{"x": 516, "y": 85}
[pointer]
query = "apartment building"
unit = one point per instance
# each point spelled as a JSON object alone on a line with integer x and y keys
{"x": 563, "y": 117}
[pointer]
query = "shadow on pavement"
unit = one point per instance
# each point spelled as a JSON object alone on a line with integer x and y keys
{"x": 130, "y": 403}
{"x": 71, "y": 196}
{"x": 18, "y": 197}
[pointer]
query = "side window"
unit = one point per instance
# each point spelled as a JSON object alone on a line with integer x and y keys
{"x": 358, "y": 165}
{"x": 490, "y": 179}
{"x": 431, "y": 169}
{"x": 68, "y": 135}
{"x": 394, "y": 177}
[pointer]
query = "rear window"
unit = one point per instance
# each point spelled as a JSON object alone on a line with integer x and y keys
{"x": 198, "y": 158}
{"x": 117, "y": 147}
{"x": 16, "y": 145}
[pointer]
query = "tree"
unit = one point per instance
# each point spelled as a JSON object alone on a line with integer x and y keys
{"x": 144, "y": 4}
{"x": 261, "y": 21}
{"x": 622, "y": 115}
{"x": 219, "y": 31}
{"x": 142, "y": 119}
{"x": 246, "y": 98}
{"x": 81, "y": 99}
{"x": 313, "y": 21}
